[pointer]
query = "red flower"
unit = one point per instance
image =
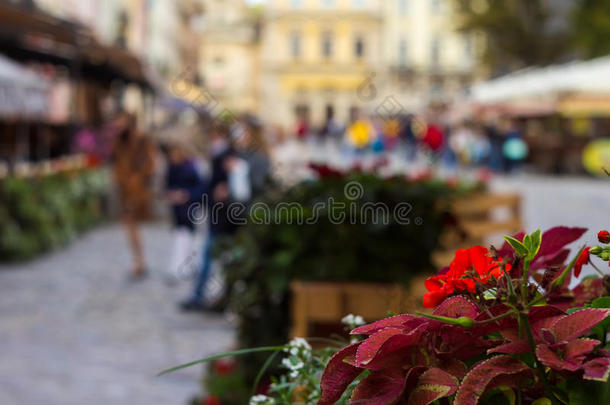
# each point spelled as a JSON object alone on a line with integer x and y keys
{"x": 581, "y": 261}
{"x": 467, "y": 268}
{"x": 211, "y": 400}
{"x": 603, "y": 236}
{"x": 225, "y": 366}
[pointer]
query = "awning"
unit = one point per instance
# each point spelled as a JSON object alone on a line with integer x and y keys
{"x": 23, "y": 93}
{"x": 27, "y": 35}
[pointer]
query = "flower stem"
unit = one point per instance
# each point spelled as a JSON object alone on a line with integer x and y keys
{"x": 524, "y": 324}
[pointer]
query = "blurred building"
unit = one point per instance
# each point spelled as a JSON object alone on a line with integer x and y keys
{"x": 229, "y": 54}
{"x": 324, "y": 59}
{"x": 164, "y": 33}
{"x": 427, "y": 59}
{"x": 315, "y": 55}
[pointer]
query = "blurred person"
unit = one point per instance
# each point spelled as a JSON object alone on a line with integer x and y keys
{"x": 302, "y": 129}
{"x": 391, "y": 130}
{"x": 253, "y": 148}
{"x": 134, "y": 162}
{"x": 496, "y": 158}
{"x": 514, "y": 148}
{"x": 184, "y": 186}
{"x": 227, "y": 176}
{"x": 360, "y": 134}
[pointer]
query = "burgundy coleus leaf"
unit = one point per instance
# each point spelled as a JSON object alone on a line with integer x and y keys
{"x": 338, "y": 375}
{"x": 457, "y": 306}
{"x": 397, "y": 321}
{"x": 577, "y": 349}
{"x": 433, "y": 384}
{"x": 455, "y": 367}
{"x": 555, "y": 239}
{"x": 587, "y": 290}
{"x": 516, "y": 347}
{"x": 597, "y": 369}
{"x": 380, "y": 388}
{"x": 483, "y": 374}
{"x": 572, "y": 354}
{"x": 385, "y": 343}
{"x": 571, "y": 326}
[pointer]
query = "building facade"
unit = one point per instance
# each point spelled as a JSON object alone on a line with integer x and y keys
{"x": 315, "y": 56}
{"x": 229, "y": 55}
{"x": 427, "y": 58}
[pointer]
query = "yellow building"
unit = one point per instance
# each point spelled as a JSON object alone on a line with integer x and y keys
{"x": 315, "y": 56}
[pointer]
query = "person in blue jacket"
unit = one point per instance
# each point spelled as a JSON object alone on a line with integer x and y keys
{"x": 184, "y": 188}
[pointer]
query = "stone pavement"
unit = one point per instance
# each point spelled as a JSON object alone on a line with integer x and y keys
{"x": 74, "y": 331}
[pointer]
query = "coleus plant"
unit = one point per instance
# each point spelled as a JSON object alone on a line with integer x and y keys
{"x": 505, "y": 329}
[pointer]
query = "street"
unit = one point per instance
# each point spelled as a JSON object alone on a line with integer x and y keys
{"x": 73, "y": 330}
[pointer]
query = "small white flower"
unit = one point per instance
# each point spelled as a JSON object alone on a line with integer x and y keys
{"x": 262, "y": 400}
{"x": 352, "y": 321}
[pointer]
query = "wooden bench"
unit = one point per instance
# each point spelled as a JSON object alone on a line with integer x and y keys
{"x": 329, "y": 302}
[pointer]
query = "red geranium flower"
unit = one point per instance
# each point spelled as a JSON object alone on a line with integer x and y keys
{"x": 211, "y": 400}
{"x": 467, "y": 268}
{"x": 581, "y": 261}
{"x": 603, "y": 236}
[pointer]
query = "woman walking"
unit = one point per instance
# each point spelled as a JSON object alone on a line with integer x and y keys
{"x": 133, "y": 169}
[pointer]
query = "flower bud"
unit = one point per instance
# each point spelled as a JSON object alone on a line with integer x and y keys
{"x": 465, "y": 322}
{"x": 603, "y": 236}
{"x": 605, "y": 256}
{"x": 595, "y": 250}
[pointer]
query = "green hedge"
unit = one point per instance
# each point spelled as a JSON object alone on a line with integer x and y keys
{"x": 41, "y": 213}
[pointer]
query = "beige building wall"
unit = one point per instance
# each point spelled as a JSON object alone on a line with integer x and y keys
{"x": 300, "y": 78}
{"x": 229, "y": 55}
{"x": 428, "y": 60}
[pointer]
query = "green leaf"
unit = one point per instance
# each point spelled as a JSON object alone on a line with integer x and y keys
{"x": 220, "y": 356}
{"x": 542, "y": 401}
{"x": 517, "y": 246}
{"x": 501, "y": 395}
{"x": 582, "y": 392}
{"x": 602, "y": 302}
{"x": 535, "y": 240}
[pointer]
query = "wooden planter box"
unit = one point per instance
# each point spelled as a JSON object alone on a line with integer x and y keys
{"x": 328, "y": 302}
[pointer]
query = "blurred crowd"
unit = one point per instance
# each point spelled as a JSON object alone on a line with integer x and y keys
{"x": 203, "y": 173}
{"x": 497, "y": 145}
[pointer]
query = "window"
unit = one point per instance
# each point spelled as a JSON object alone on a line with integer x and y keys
{"x": 436, "y": 6}
{"x": 328, "y": 3}
{"x": 327, "y": 44}
{"x": 402, "y": 52}
{"x": 295, "y": 45}
{"x": 359, "y": 47}
{"x": 403, "y": 7}
{"x": 468, "y": 45}
{"x": 296, "y": 3}
{"x": 435, "y": 51}
{"x": 358, "y": 3}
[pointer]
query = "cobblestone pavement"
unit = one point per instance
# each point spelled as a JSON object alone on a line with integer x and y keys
{"x": 74, "y": 331}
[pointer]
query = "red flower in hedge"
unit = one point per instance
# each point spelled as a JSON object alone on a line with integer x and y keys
{"x": 467, "y": 268}
{"x": 603, "y": 236}
{"x": 581, "y": 261}
{"x": 211, "y": 400}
